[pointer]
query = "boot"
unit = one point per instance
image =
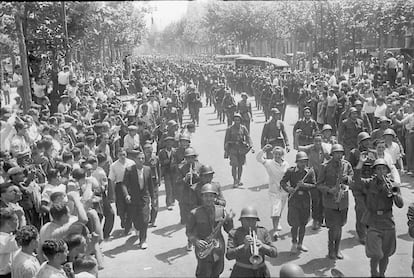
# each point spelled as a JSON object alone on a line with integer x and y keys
{"x": 331, "y": 251}
{"x": 338, "y": 253}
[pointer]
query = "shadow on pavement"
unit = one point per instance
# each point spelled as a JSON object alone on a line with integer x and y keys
{"x": 215, "y": 124}
{"x": 405, "y": 237}
{"x": 309, "y": 231}
{"x": 172, "y": 255}
{"x": 117, "y": 233}
{"x": 349, "y": 243}
{"x": 221, "y": 130}
{"x": 168, "y": 230}
{"x": 128, "y": 245}
{"x": 283, "y": 257}
{"x": 318, "y": 266}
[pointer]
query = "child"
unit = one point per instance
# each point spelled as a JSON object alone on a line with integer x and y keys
{"x": 56, "y": 252}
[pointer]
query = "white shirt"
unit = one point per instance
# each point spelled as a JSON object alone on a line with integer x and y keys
{"x": 117, "y": 170}
{"x": 25, "y": 266}
{"x": 63, "y": 108}
{"x": 380, "y": 110}
{"x": 38, "y": 90}
{"x": 332, "y": 80}
{"x": 408, "y": 122}
{"x": 8, "y": 247}
{"x": 131, "y": 143}
{"x": 48, "y": 271}
{"x": 17, "y": 80}
{"x": 274, "y": 170}
{"x": 394, "y": 151}
{"x": 140, "y": 173}
{"x": 369, "y": 106}
{"x": 63, "y": 78}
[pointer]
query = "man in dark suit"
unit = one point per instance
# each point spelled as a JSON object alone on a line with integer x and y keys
{"x": 138, "y": 190}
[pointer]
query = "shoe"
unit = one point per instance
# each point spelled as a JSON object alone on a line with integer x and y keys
{"x": 126, "y": 232}
{"x": 294, "y": 248}
{"x": 303, "y": 248}
{"x": 240, "y": 184}
{"x": 362, "y": 241}
{"x": 279, "y": 227}
{"x": 275, "y": 236}
{"x": 235, "y": 184}
{"x": 339, "y": 255}
{"x": 170, "y": 207}
{"x": 316, "y": 225}
{"x": 144, "y": 245}
{"x": 189, "y": 247}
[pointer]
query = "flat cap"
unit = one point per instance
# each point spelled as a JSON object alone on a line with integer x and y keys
{"x": 15, "y": 170}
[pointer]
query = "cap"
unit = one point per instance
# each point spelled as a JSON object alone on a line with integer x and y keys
{"x": 326, "y": 127}
{"x": 169, "y": 138}
{"x": 353, "y": 110}
{"x": 64, "y": 96}
{"x": 244, "y": 94}
{"x": 20, "y": 155}
{"x": 171, "y": 123}
{"x": 237, "y": 115}
{"x": 132, "y": 128}
{"x": 275, "y": 110}
{"x": 15, "y": 170}
{"x": 133, "y": 153}
{"x": 384, "y": 119}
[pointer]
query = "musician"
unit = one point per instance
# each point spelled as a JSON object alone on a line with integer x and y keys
{"x": 237, "y": 143}
{"x": 204, "y": 225}
{"x": 318, "y": 153}
{"x": 410, "y": 216}
{"x": 364, "y": 144}
{"x": 382, "y": 194}
{"x": 300, "y": 180}
{"x": 138, "y": 189}
{"x": 240, "y": 246}
{"x": 305, "y": 129}
{"x": 187, "y": 176}
{"x": 274, "y": 133}
{"x": 333, "y": 181}
{"x": 244, "y": 107}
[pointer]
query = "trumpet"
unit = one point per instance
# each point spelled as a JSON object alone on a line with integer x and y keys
{"x": 255, "y": 258}
{"x": 391, "y": 190}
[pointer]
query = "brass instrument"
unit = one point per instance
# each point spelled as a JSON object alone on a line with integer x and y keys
{"x": 255, "y": 258}
{"x": 340, "y": 190}
{"x": 212, "y": 242}
{"x": 391, "y": 190}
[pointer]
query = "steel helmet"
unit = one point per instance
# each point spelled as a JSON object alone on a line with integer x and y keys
{"x": 389, "y": 131}
{"x": 384, "y": 119}
{"x": 357, "y": 102}
{"x": 172, "y": 123}
{"x": 380, "y": 161}
{"x": 301, "y": 156}
{"x": 353, "y": 110}
{"x": 190, "y": 152}
{"x": 237, "y": 115}
{"x": 205, "y": 170}
{"x": 275, "y": 110}
{"x": 326, "y": 127}
{"x": 291, "y": 270}
{"x": 337, "y": 148}
{"x": 363, "y": 136}
{"x": 185, "y": 137}
{"x": 208, "y": 188}
{"x": 249, "y": 212}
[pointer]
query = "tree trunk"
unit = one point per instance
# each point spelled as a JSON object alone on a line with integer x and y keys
{"x": 26, "y": 95}
{"x": 65, "y": 33}
{"x": 381, "y": 47}
{"x": 294, "y": 50}
{"x": 339, "y": 61}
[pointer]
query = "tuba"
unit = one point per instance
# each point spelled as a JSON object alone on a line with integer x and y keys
{"x": 255, "y": 258}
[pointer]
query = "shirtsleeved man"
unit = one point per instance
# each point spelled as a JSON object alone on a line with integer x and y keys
{"x": 274, "y": 133}
{"x": 240, "y": 243}
{"x": 333, "y": 181}
{"x": 382, "y": 194}
{"x": 204, "y": 229}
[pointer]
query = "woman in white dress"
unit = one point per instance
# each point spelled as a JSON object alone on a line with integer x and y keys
{"x": 275, "y": 168}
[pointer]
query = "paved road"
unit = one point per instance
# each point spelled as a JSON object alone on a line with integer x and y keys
{"x": 167, "y": 257}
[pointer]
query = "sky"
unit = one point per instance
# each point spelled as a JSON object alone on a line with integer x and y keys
{"x": 166, "y": 12}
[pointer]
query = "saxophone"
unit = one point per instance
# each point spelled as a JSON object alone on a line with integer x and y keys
{"x": 340, "y": 190}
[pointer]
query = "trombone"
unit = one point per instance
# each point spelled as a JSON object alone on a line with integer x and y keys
{"x": 255, "y": 258}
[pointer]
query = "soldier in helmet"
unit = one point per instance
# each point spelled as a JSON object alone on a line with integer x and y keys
{"x": 237, "y": 143}
{"x": 382, "y": 194}
{"x": 301, "y": 180}
{"x": 333, "y": 181}
{"x": 240, "y": 246}
{"x": 203, "y": 230}
{"x": 364, "y": 144}
{"x": 244, "y": 108}
{"x": 170, "y": 112}
{"x": 274, "y": 133}
{"x": 291, "y": 270}
{"x": 184, "y": 143}
{"x": 191, "y": 195}
{"x": 392, "y": 148}
{"x": 348, "y": 131}
{"x": 229, "y": 107}
{"x": 327, "y": 138}
{"x": 305, "y": 129}
{"x": 187, "y": 176}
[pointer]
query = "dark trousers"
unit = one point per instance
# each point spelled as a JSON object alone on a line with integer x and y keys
{"x": 360, "y": 207}
{"x": 317, "y": 207}
{"x": 138, "y": 214}
{"x": 109, "y": 215}
{"x": 239, "y": 271}
{"x": 154, "y": 204}
{"x": 121, "y": 205}
{"x": 208, "y": 268}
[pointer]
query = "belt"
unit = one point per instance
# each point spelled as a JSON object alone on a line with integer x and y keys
{"x": 380, "y": 212}
{"x": 250, "y": 266}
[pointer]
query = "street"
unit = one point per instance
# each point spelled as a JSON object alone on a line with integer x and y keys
{"x": 166, "y": 255}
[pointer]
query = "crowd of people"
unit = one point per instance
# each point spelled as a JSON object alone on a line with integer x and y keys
{"x": 93, "y": 140}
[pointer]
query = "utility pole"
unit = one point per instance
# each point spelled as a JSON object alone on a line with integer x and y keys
{"x": 26, "y": 94}
{"x": 65, "y": 33}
